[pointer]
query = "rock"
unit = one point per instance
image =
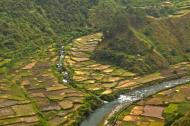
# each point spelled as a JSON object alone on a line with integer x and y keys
{"x": 66, "y": 104}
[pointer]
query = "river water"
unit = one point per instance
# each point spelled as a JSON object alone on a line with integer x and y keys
{"x": 61, "y": 68}
{"x": 130, "y": 97}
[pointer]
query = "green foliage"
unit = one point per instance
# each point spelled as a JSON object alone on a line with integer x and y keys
{"x": 4, "y": 62}
{"x": 27, "y": 26}
{"x": 102, "y": 16}
{"x": 177, "y": 114}
{"x": 91, "y": 103}
{"x": 138, "y": 35}
{"x": 171, "y": 108}
{"x": 183, "y": 121}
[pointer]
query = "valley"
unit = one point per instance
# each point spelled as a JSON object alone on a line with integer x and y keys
{"x": 94, "y": 63}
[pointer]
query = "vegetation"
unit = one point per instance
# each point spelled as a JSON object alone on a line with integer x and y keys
{"x": 27, "y": 26}
{"x": 177, "y": 114}
{"x": 138, "y": 37}
{"x": 183, "y": 121}
{"x": 143, "y": 39}
{"x": 166, "y": 108}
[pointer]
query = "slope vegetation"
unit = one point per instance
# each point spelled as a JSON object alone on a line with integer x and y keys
{"x": 27, "y": 26}
{"x": 143, "y": 42}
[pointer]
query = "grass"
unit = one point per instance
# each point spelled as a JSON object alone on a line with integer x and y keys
{"x": 171, "y": 109}
{"x": 4, "y": 62}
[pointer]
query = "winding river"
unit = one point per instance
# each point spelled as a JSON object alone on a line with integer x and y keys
{"x": 126, "y": 99}
{"x": 130, "y": 97}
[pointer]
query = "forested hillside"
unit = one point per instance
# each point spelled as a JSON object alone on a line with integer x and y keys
{"x": 28, "y": 25}
{"x": 64, "y": 60}
{"x": 142, "y": 36}
{"x": 129, "y": 29}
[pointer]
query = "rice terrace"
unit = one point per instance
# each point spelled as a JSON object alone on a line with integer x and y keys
{"x": 95, "y": 63}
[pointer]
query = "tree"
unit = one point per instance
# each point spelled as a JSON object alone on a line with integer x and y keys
{"x": 102, "y": 15}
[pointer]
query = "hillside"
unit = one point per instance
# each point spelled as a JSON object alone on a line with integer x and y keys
{"x": 31, "y": 90}
{"x": 143, "y": 41}
{"x": 69, "y": 62}
{"x": 27, "y": 26}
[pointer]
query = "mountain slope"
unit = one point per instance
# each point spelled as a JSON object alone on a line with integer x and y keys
{"x": 141, "y": 42}
{"x": 27, "y": 26}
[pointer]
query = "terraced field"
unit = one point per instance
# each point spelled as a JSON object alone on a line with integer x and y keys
{"x": 31, "y": 95}
{"x": 164, "y": 107}
{"x": 106, "y": 79}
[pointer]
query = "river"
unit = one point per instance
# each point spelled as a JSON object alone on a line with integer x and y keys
{"x": 126, "y": 99}
{"x": 130, "y": 97}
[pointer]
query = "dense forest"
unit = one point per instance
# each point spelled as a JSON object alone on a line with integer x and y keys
{"x": 139, "y": 36}
{"x": 60, "y": 60}
{"x": 27, "y": 26}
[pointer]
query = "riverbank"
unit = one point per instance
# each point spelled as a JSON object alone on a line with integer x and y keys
{"x": 114, "y": 108}
{"x": 33, "y": 94}
{"x": 168, "y": 107}
{"x": 106, "y": 81}
{"x": 114, "y": 115}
